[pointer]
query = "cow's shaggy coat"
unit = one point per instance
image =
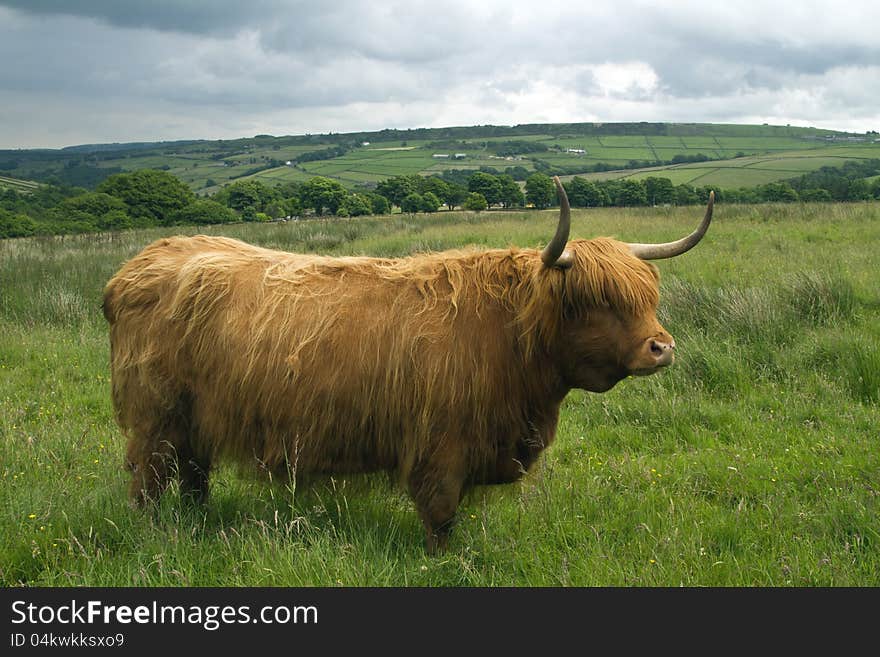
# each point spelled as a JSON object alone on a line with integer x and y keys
{"x": 445, "y": 368}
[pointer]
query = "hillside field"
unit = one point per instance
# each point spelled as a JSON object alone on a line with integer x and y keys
{"x": 699, "y": 154}
{"x": 21, "y": 186}
{"x": 752, "y": 461}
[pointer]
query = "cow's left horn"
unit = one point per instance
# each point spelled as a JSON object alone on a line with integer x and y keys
{"x": 672, "y": 249}
{"x": 554, "y": 254}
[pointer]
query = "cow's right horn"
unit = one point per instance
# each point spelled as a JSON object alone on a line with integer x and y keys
{"x": 554, "y": 254}
{"x": 672, "y": 249}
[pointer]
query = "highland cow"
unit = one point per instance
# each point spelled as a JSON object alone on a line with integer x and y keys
{"x": 447, "y": 369}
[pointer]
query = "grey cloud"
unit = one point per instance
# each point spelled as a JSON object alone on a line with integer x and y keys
{"x": 350, "y": 62}
{"x": 191, "y": 16}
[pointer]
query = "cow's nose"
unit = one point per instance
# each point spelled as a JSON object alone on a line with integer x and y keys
{"x": 663, "y": 352}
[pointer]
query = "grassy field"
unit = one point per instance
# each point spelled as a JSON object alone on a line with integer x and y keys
{"x": 740, "y": 155}
{"x": 736, "y": 161}
{"x": 751, "y": 170}
{"x": 21, "y": 186}
{"x": 753, "y": 461}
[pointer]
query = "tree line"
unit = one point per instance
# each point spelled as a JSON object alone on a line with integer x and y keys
{"x": 147, "y": 198}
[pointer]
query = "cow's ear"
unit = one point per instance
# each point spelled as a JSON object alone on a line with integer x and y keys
{"x": 565, "y": 261}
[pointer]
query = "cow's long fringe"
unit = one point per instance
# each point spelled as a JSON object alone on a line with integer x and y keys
{"x": 226, "y": 349}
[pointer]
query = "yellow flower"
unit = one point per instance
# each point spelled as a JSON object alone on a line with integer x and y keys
{"x": 32, "y": 515}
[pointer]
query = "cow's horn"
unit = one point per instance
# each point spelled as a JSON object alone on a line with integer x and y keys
{"x": 672, "y": 249}
{"x": 554, "y": 254}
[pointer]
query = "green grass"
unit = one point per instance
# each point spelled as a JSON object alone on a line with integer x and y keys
{"x": 753, "y": 461}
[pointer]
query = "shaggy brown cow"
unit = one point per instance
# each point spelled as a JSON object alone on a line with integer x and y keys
{"x": 446, "y": 368}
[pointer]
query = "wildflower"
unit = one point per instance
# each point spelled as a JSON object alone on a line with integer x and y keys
{"x": 32, "y": 515}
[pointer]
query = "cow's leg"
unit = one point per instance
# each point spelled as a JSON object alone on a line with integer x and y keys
{"x": 193, "y": 472}
{"x": 152, "y": 455}
{"x": 151, "y": 463}
{"x": 435, "y": 485}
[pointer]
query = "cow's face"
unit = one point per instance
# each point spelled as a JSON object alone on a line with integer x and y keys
{"x": 601, "y": 347}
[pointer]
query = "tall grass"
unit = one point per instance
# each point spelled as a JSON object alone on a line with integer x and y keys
{"x": 752, "y": 461}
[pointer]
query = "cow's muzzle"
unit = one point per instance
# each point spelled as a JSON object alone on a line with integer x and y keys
{"x": 655, "y": 354}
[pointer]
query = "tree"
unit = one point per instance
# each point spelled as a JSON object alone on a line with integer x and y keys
{"x": 204, "y": 211}
{"x": 276, "y": 209}
{"x": 94, "y": 204}
{"x": 584, "y": 194}
{"x": 487, "y": 185}
{"x": 292, "y": 205}
{"x": 511, "y": 194}
{"x": 540, "y": 190}
{"x": 96, "y": 209}
{"x": 660, "y": 191}
{"x": 631, "y": 193}
{"x": 289, "y": 189}
{"x": 430, "y": 202}
{"x": 247, "y": 193}
{"x": 322, "y": 193}
{"x": 778, "y": 192}
{"x": 814, "y": 195}
{"x": 397, "y": 188}
{"x": 434, "y": 185}
{"x": 685, "y": 195}
{"x": 455, "y": 195}
{"x": 115, "y": 220}
{"x": 378, "y": 203}
{"x": 355, "y": 205}
{"x": 149, "y": 194}
{"x": 859, "y": 190}
{"x": 475, "y": 202}
{"x": 16, "y": 225}
{"x": 518, "y": 172}
{"x": 412, "y": 203}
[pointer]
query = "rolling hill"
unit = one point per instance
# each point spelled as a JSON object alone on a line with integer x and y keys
{"x": 699, "y": 154}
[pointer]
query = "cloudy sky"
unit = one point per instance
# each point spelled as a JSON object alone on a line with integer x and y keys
{"x": 88, "y": 71}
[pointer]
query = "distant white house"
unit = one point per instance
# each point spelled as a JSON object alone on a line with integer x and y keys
{"x": 288, "y": 163}
{"x": 439, "y": 155}
{"x": 460, "y": 156}
{"x": 578, "y": 151}
{"x": 365, "y": 143}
